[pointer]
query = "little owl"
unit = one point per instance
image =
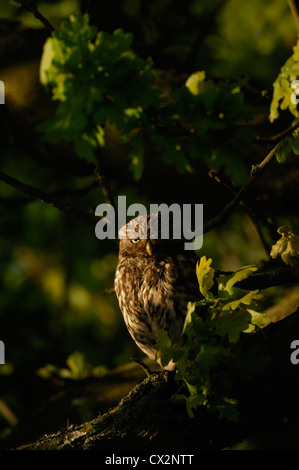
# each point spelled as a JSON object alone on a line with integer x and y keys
{"x": 154, "y": 280}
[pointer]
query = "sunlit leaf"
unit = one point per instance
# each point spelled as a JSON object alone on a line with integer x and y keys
{"x": 258, "y": 319}
{"x": 284, "y": 94}
{"x": 205, "y": 276}
{"x": 287, "y": 247}
{"x": 238, "y": 276}
{"x": 245, "y": 300}
{"x": 192, "y": 83}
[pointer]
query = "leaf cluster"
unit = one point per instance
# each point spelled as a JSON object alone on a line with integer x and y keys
{"x": 212, "y": 357}
{"x": 287, "y": 247}
{"x": 99, "y": 80}
{"x": 77, "y": 368}
{"x": 213, "y": 107}
{"x": 285, "y": 99}
{"x": 283, "y": 87}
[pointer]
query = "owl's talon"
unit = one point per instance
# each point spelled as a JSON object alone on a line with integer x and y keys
{"x": 146, "y": 369}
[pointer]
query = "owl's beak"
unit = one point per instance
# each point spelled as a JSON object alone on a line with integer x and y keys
{"x": 148, "y": 248}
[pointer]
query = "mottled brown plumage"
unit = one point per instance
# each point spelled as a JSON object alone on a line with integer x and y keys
{"x": 154, "y": 281}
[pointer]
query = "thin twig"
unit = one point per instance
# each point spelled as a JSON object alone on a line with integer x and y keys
{"x": 270, "y": 276}
{"x": 143, "y": 366}
{"x": 40, "y": 195}
{"x": 255, "y": 173}
{"x": 33, "y": 9}
{"x": 279, "y": 136}
{"x": 59, "y": 193}
{"x": 294, "y": 10}
{"x": 255, "y": 217}
{"x": 106, "y": 190}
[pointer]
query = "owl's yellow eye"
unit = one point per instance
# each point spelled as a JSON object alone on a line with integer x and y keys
{"x": 135, "y": 240}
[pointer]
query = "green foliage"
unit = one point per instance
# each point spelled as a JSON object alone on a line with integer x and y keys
{"x": 251, "y": 41}
{"x": 77, "y": 368}
{"x": 285, "y": 99}
{"x": 213, "y": 108}
{"x": 287, "y": 247}
{"x": 212, "y": 358}
{"x": 287, "y": 146}
{"x": 283, "y": 149}
{"x": 136, "y": 157}
{"x": 205, "y": 277}
{"x": 283, "y": 87}
{"x": 97, "y": 78}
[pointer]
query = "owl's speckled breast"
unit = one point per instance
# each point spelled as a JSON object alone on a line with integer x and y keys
{"x": 150, "y": 300}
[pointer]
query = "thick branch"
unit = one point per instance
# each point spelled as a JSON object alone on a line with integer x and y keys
{"x": 270, "y": 277}
{"x": 147, "y": 419}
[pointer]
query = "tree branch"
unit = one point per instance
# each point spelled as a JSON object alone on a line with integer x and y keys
{"x": 148, "y": 418}
{"x": 270, "y": 277}
{"x": 40, "y": 195}
{"x": 255, "y": 173}
{"x": 294, "y": 9}
{"x": 252, "y": 212}
{"x": 107, "y": 193}
{"x": 33, "y": 9}
{"x": 280, "y": 135}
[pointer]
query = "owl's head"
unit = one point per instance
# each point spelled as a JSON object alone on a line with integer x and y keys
{"x": 149, "y": 236}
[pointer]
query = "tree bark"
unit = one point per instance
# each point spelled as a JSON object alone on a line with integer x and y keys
{"x": 148, "y": 419}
